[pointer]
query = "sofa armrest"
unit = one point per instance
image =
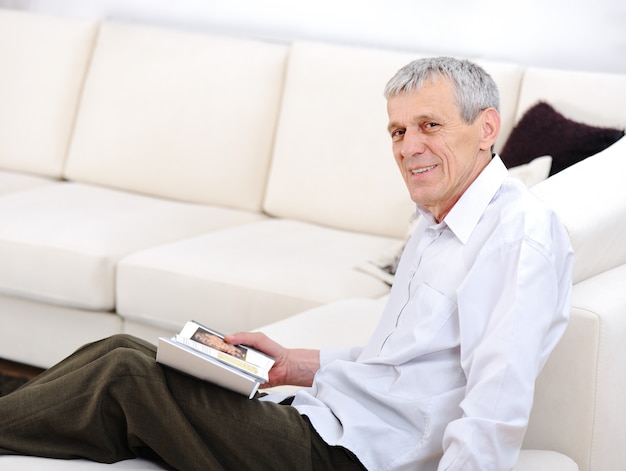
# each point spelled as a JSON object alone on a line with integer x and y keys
{"x": 543, "y": 460}
{"x": 579, "y": 406}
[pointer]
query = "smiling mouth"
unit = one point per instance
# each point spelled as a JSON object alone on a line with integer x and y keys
{"x": 417, "y": 171}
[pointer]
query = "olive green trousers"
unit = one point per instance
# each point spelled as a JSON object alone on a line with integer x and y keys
{"x": 111, "y": 401}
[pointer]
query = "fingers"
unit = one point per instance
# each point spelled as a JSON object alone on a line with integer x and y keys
{"x": 257, "y": 340}
{"x": 247, "y": 338}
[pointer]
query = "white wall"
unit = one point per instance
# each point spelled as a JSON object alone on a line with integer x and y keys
{"x": 574, "y": 34}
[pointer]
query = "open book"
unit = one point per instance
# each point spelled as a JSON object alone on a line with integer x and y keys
{"x": 202, "y": 352}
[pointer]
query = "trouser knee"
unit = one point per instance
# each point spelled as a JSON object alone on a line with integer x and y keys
{"x": 121, "y": 341}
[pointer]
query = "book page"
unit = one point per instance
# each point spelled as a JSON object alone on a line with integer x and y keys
{"x": 212, "y": 343}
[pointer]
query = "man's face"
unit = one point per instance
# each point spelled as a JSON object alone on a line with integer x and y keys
{"x": 439, "y": 155}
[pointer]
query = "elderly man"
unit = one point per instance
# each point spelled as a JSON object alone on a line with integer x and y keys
{"x": 446, "y": 381}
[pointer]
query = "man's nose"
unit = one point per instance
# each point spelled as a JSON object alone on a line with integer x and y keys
{"x": 412, "y": 144}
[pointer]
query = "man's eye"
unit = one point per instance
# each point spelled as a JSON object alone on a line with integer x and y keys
{"x": 397, "y": 133}
{"x": 431, "y": 126}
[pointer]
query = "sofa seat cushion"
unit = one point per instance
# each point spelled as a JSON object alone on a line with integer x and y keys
{"x": 17, "y": 181}
{"x": 60, "y": 243}
{"x": 31, "y": 463}
{"x": 530, "y": 460}
{"x": 247, "y": 276}
{"x": 345, "y": 323}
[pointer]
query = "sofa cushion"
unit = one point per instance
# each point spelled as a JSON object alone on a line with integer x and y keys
{"x": 31, "y": 463}
{"x": 53, "y": 332}
{"x": 59, "y": 243}
{"x": 590, "y": 199}
{"x": 180, "y": 115}
{"x": 544, "y": 131}
{"x": 243, "y": 277}
{"x": 533, "y": 172}
{"x": 345, "y": 323}
{"x": 530, "y": 460}
{"x": 332, "y": 162}
{"x": 44, "y": 60}
{"x": 544, "y": 460}
{"x": 17, "y": 181}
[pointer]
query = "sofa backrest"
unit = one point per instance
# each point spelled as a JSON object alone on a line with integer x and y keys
{"x": 44, "y": 60}
{"x": 332, "y": 162}
{"x": 594, "y": 98}
{"x": 180, "y": 115}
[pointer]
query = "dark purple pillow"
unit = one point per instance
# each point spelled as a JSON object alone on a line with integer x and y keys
{"x": 544, "y": 131}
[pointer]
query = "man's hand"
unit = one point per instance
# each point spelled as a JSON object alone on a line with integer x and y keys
{"x": 293, "y": 366}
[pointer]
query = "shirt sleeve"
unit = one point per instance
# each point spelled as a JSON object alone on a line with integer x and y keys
{"x": 328, "y": 355}
{"x": 513, "y": 308}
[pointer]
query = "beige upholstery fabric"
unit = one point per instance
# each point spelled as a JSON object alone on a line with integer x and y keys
{"x": 44, "y": 61}
{"x": 179, "y": 115}
{"x": 246, "y": 276}
{"x": 59, "y": 243}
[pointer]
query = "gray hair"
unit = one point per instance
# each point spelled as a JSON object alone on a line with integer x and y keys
{"x": 475, "y": 89}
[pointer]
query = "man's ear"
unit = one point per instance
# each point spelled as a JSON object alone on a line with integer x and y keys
{"x": 490, "y": 127}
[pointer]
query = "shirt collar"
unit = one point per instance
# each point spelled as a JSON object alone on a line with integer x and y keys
{"x": 466, "y": 213}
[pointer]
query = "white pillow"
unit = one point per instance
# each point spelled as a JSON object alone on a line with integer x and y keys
{"x": 535, "y": 171}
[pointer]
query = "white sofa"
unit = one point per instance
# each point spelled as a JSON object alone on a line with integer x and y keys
{"x": 151, "y": 176}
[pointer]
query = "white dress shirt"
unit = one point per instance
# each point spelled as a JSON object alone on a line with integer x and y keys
{"x": 447, "y": 379}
